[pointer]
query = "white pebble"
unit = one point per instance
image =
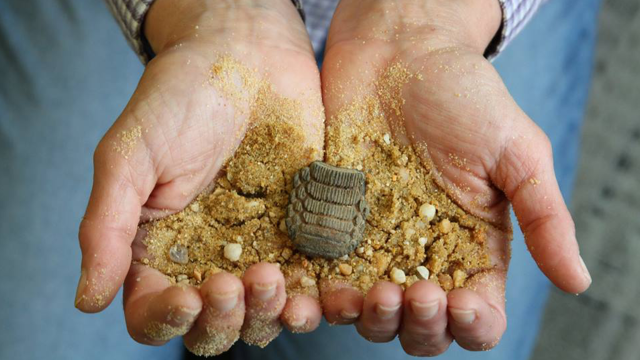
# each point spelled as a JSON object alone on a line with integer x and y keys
{"x": 387, "y": 139}
{"x": 233, "y": 252}
{"x": 179, "y": 254}
{"x": 306, "y": 281}
{"x": 423, "y": 241}
{"x": 427, "y": 211}
{"x": 404, "y": 175}
{"x": 422, "y": 272}
{"x": 398, "y": 276}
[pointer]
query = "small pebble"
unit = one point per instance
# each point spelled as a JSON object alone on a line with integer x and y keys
{"x": 197, "y": 274}
{"x": 345, "y": 257}
{"x": 282, "y": 226}
{"x": 427, "y": 211}
{"x": 445, "y": 226}
{"x": 459, "y": 277}
{"x": 232, "y": 252}
{"x": 404, "y": 159}
{"x": 345, "y": 269}
{"x": 360, "y": 250}
{"x": 446, "y": 282}
{"x": 306, "y": 281}
{"x": 387, "y": 139}
{"x": 423, "y": 241}
{"x": 403, "y": 174}
{"x": 286, "y": 253}
{"x": 408, "y": 233}
{"x": 179, "y": 254}
{"x": 181, "y": 277}
{"x": 422, "y": 272}
{"x": 368, "y": 253}
{"x": 398, "y": 276}
{"x": 195, "y": 207}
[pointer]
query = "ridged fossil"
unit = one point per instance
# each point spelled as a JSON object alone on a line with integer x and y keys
{"x": 327, "y": 210}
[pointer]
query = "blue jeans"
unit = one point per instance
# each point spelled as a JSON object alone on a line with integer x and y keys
{"x": 66, "y": 73}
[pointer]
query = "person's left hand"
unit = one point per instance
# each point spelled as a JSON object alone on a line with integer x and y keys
{"x": 457, "y": 106}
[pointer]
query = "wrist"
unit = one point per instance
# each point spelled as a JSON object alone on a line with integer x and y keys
{"x": 469, "y": 23}
{"x": 169, "y": 22}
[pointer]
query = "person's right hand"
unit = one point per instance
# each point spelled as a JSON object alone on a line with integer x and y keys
{"x": 167, "y": 146}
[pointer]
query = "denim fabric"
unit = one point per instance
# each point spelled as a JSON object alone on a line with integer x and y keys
{"x": 66, "y": 73}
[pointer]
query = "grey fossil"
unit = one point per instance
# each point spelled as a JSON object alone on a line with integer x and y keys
{"x": 327, "y": 210}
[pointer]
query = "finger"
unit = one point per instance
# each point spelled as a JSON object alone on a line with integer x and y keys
{"x": 525, "y": 173}
{"x": 381, "y": 312}
{"x": 424, "y": 323}
{"x": 301, "y": 314}
{"x": 477, "y": 315}
{"x": 110, "y": 222}
{"x": 155, "y": 311}
{"x": 341, "y": 303}
{"x": 265, "y": 298}
{"x": 218, "y": 326}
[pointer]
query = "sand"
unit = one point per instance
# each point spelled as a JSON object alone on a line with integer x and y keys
{"x": 247, "y": 204}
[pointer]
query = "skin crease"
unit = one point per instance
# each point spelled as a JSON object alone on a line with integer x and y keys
{"x": 180, "y": 151}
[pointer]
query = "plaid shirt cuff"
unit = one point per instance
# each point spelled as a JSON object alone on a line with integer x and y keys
{"x": 515, "y": 15}
{"x": 130, "y": 16}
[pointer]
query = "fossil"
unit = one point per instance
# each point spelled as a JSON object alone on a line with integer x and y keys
{"x": 327, "y": 210}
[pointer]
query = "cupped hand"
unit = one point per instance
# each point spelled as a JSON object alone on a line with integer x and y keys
{"x": 488, "y": 154}
{"x": 167, "y": 146}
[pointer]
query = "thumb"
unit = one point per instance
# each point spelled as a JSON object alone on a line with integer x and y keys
{"x": 524, "y": 172}
{"x": 110, "y": 222}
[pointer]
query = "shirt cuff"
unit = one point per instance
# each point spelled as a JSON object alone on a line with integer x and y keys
{"x": 130, "y": 16}
{"x": 515, "y": 15}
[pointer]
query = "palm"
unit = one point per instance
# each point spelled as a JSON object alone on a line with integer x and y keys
{"x": 442, "y": 110}
{"x": 186, "y": 120}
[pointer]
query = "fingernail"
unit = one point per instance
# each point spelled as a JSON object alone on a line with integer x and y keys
{"x": 82, "y": 283}
{"x": 463, "y": 316}
{"x": 585, "y": 271}
{"x": 182, "y": 315}
{"x": 349, "y": 315}
{"x": 298, "y": 323}
{"x": 224, "y": 302}
{"x": 386, "y": 312}
{"x": 264, "y": 292}
{"x": 425, "y": 311}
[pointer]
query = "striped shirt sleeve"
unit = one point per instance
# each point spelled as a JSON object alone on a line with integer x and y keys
{"x": 130, "y": 16}
{"x": 515, "y": 15}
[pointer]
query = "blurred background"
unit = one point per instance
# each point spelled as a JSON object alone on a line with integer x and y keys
{"x": 604, "y": 322}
